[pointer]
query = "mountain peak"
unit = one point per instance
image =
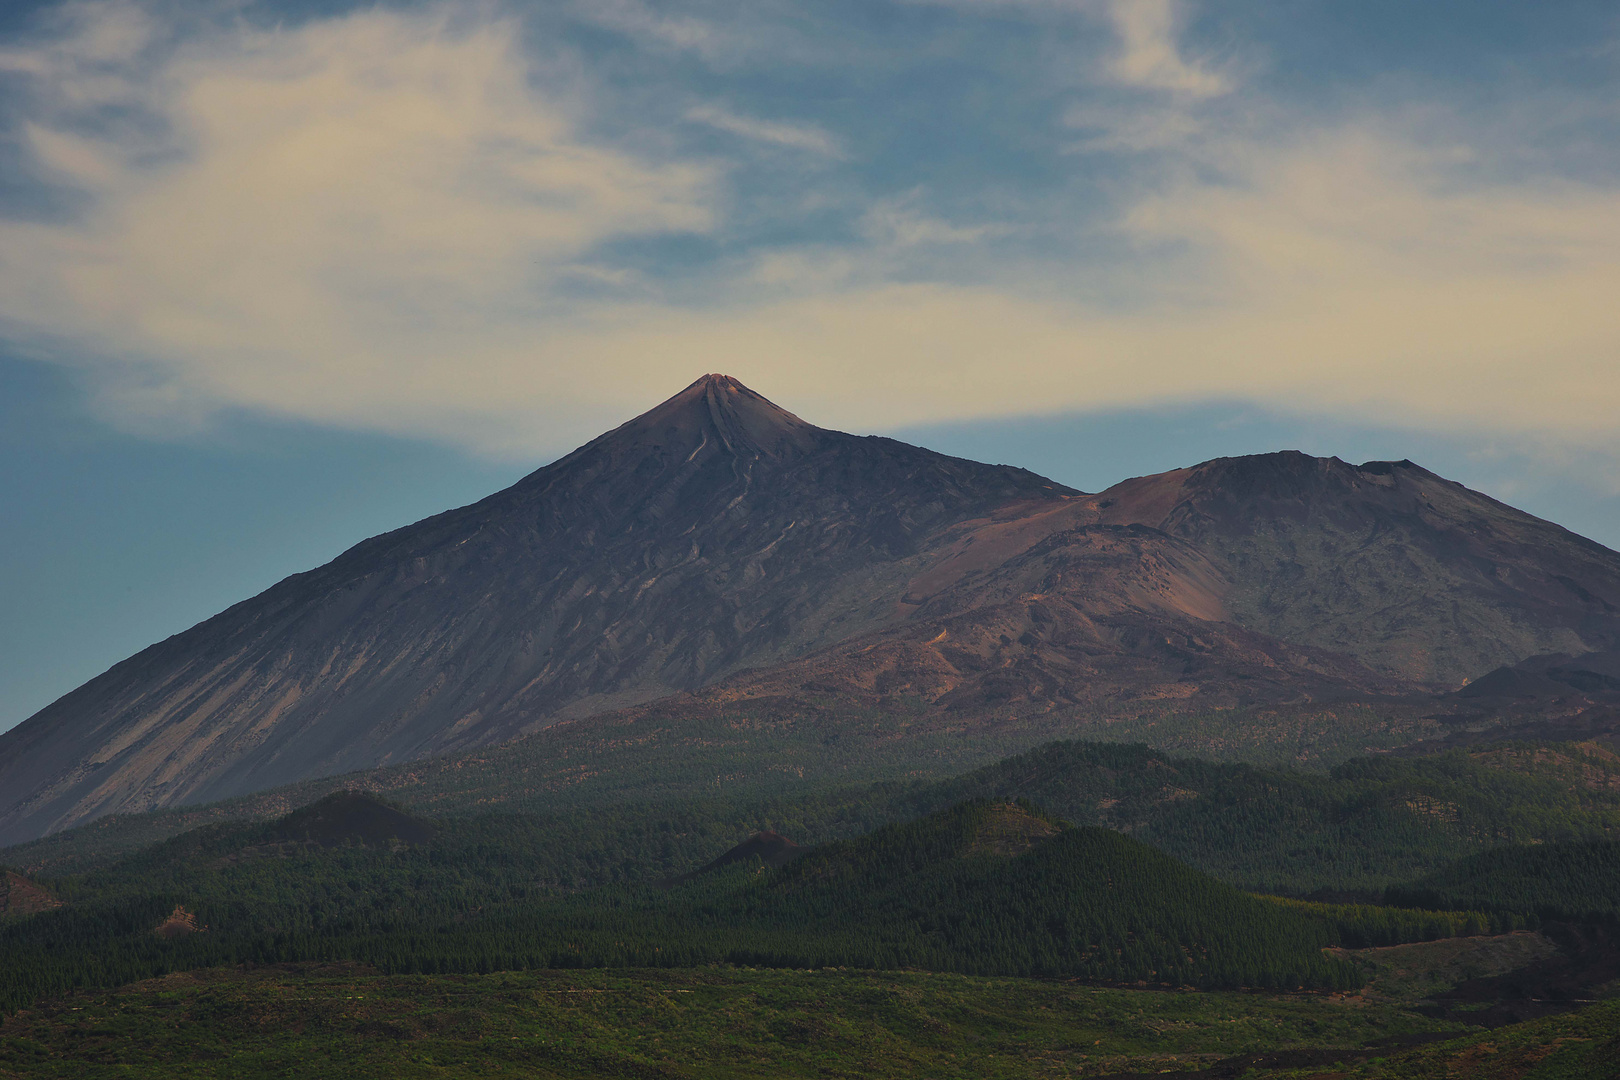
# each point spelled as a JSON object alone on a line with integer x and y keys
{"x": 718, "y": 533}
{"x": 717, "y": 412}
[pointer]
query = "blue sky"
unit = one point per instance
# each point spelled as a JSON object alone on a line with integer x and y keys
{"x": 277, "y": 277}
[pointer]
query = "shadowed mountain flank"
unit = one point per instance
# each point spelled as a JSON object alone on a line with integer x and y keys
{"x": 713, "y": 533}
{"x": 1413, "y": 574}
{"x": 351, "y": 817}
{"x": 1551, "y": 677}
{"x": 719, "y": 545}
{"x": 771, "y": 849}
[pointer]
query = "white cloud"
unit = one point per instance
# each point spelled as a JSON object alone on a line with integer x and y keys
{"x": 1347, "y": 274}
{"x": 387, "y": 221}
{"x": 661, "y": 28}
{"x": 898, "y": 223}
{"x": 343, "y": 218}
{"x": 1147, "y": 32}
{"x": 1150, "y": 54}
{"x": 86, "y": 34}
{"x": 1167, "y": 99}
{"x": 794, "y": 136}
{"x": 1135, "y": 128}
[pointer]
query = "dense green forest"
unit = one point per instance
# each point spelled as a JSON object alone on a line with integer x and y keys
{"x": 582, "y": 887}
{"x": 983, "y": 888}
{"x": 1368, "y": 824}
{"x": 1575, "y": 881}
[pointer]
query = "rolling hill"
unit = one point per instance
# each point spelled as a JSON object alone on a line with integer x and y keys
{"x": 980, "y": 887}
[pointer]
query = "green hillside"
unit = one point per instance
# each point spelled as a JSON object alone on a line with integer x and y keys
{"x": 346, "y": 1021}
{"x": 982, "y": 888}
{"x": 1577, "y": 881}
{"x": 1370, "y": 823}
{"x": 998, "y": 889}
{"x": 753, "y": 751}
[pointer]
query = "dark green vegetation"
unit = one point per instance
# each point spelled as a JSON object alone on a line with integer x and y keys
{"x": 1370, "y": 823}
{"x": 349, "y": 1022}
{"x": 949, "y": 876}
{"x": 1425, "y": 970}
{"x": 498, "y": 890}
{"x": 1577, "y": 881}
{"x": 755, "y": 752}
{"x": 1359, "y": 926}
{"x": 983, "y": 888}
{"x": 1582, "y": 1045}
{"x": 346, "y": 1020}
{"x": 995, "y": 889}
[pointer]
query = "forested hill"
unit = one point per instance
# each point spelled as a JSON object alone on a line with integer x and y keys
{"x": 1575, "y": 881}
{"x": 1374, "y": 822}
{"x": 986, "y": 888}
{"x": 1371, "y": 822}
{"x": 997, "y": 888}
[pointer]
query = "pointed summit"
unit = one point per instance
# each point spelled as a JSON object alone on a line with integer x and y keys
{"x": 717, "y": 413}
{"x": 706, "y": 443}
{"x": 712, "y": 533}
{"x": 727, "y": 400}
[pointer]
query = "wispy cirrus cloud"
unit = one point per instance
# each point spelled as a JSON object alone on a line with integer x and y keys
{"x": 661, "y": 26}
{"x": 1150, "y": 54}
{"x": 300, "y": 220}
{"x": 807, "y": 137}
{"x": 901, "y": 222}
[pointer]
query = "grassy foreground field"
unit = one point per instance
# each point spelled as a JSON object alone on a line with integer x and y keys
{"x": 344, "y": 1021}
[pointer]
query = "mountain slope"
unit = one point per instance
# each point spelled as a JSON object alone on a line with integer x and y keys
{"x": 714, "y": 532}
{"x": 1275, "y": 577}
{"x": 720, "y": 544}
{"x": 1413, "y": 574}
{"x": 1579, "y": 882}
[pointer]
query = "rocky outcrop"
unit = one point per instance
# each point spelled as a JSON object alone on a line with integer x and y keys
{"x": 19, "y": 896}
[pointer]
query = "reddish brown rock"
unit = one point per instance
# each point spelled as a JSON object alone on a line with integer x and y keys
{"x": 19, "y": 896}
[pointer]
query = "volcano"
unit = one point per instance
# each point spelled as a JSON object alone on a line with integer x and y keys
{"x": 719, "y": 534}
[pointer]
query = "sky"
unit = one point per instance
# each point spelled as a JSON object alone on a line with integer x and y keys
{"x": 277, "y": 277}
